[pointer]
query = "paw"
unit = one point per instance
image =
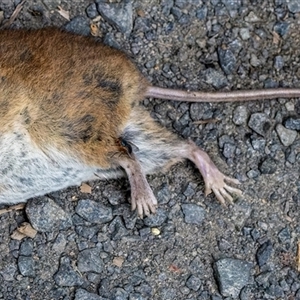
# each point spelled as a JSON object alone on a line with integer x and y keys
{"x": 144, "y": 201}
{"x": 216, "y": 183}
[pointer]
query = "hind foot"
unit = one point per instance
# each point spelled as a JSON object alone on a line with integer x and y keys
{"x": 215, "y": 180}
{"x": 142, "y": 197}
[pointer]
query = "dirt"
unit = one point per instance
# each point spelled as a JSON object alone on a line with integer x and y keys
{"x": 169, "y": 257}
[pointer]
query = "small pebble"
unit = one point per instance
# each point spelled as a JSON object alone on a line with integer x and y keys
{"x": 292, "y": 123}
{"x": 227, "y": 60}
{"x": 193, "y": 283}
{"x": 94, "y": 212}
{"x": 260, "y": 123}
{"x": 118, "y": 15}
{"x": 268, "y": 166}
{"x": 26, "y": 266}
{"x": 82, "y": 294}
{"x": 264, "y": 252}
{"x": 286, "y": 136}
{"x": 155, "y": 231}
{"x": 89, "y": 261}
{"x": 66, "y": 275}
{"x": 232, "y": 275}
{"x": 193, "y": 214}
{"x": 45, "y": 215}
{"x": 293, "y": 6}
{"x": 157, "y": 219}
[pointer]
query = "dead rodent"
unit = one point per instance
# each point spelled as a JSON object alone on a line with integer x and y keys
{"x": 69, "y": 112}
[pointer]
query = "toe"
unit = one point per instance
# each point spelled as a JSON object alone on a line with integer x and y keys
{"x": 232, "y": 180}
{"x": 233, "y": 190}
{"x": 219, "y": 196}
{"x": 226, "y": 195}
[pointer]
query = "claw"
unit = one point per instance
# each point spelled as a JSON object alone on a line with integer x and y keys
{"x": 219, "y": 196}
{"x": 226, "y": 195}
{"x": 232, "y": 180}
{"x": 233, "y": 190}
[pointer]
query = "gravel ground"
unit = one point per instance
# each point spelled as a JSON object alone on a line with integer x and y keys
{"x": 89, "y": 246}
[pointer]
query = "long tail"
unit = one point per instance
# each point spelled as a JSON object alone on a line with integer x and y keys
{"x": 241, "y": 95}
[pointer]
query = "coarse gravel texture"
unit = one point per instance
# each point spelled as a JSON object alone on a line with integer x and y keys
{"x": 193, "y": 248}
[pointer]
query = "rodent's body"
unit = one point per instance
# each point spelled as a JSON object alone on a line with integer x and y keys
{"x": 65, "y": 102}
{"x": 69, "y": 112}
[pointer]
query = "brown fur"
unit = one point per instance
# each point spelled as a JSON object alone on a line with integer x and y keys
{"x": 63, "y": 99}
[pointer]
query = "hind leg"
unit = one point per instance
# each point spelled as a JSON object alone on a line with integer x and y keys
{"x": 156, "y": 148}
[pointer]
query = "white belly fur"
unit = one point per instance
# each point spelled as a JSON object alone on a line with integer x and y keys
{"x": 26, "y": 172}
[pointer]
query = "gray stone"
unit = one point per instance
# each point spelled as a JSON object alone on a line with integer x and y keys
{"x": 45, "y": 215}
{"x": 8, "y": 272}
{"x": 252, "y": 17}
{"x": 214, "y": 78}
{"x": 232, "y": 275}
{"x": 166, "y": 6}
{"x": 180, "y": 3}
{"x": 196, "y": 266}
{"x": 176, "y": 12}
{"x": 254, "y": 61}
{"x": 293, "y": 6}
{"x": 292, "y": 123}
{"x": 79, "y": 25}
{"x": 144, "y": 289}
{"x": 190, "y": 190}
{"x": 117, "y": 14}
{"x": 284, "y": 236}
{"x": 87, "y": 232}
{"x": 260, "y": 123}
{"x": 119, "y": 294}
{"x": 66, "y": 276}
{"x": 227, "y": 60}
{"x": 263, "y": 279}
{"x": 93, "y": 211}
{"x": 91, "y": 11}
{"x": 225, "y": 139}
{"x": 117, "y": 228}
{"x": 264, "y": 252}
{"x": 268, "y": 166}
{"x": 26, "y": 247}
{"x": 82, "y": 294}
{"x": 278, "y": 62}
{"x": 26, "y": 266}
{"x": 193, "y": 283}
{"x": 156, "y": 219}
{"x": 286, "y": 136}
{"x": 201, "y": 12}
{"x": 281, "y": 28}
{"x": 229, "y": 150}
{"x": 253, "y": 174}
{"x": 136, "y": 296}
{"x": 89, "y": 260}
{"x": 60, "y": 243}
{"x": 201, "y": 111}
{"x": 193, "y": 214}
{"x": 113, "y": 195}
{"x": 258, "y": 143}
{"x": 245, "y": 34}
